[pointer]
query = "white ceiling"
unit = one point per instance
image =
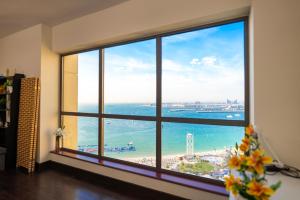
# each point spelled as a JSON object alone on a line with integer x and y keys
{"x": 16, "y": 15}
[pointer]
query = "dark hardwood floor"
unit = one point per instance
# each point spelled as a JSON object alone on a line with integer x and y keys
{"x": 55, "y": 185}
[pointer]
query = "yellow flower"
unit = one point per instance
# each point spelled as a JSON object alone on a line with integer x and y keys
{"x": 259, "y": 190}
{"x": 243, "y": 158}
{"x": 249, "y": 130}
{"x": 234, "y": 162}
{"x": 257, "y": 160}
{"x": 231, "y": 184}
{"x": 245, "y": 144}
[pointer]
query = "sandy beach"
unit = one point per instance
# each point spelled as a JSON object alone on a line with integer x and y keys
{"x": 214, "y": 155}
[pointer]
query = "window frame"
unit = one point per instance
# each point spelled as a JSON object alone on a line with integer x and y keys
{"x": 158, "y": 118}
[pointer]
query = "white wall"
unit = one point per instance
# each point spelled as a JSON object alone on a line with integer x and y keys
{"x": 49, "y": 96}
{"x": 21, "y": 52}
{"x": 136, "y": 18}
{"x": 276, "y": 29}
{"x": 29, "y": 52}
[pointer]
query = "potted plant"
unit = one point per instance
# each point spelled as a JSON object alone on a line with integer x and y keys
{"x": 59, "y": 134}
{"x": 9, "y": 87}
{"x": 249, "y": 161}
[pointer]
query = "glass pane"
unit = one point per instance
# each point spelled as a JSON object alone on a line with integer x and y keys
{"x": 81, "y": 133}
{"x": 81, "y": 82}
{"x": 130, "y": 140}
{"x": 200, "y": 150}
{"x": 129, "y": 79}
{"x": 203, "y": 73}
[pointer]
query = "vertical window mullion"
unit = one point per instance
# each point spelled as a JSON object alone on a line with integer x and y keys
{"x": 246, "y": 73}
{"x": 61, "y": 87}
{"x": 158, "y": 102}
{"x": 101, "y": 104}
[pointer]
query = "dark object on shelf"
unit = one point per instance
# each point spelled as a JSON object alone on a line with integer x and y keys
{"x": 284, "y": 170}
{"x": 9, "y": 118}
{"x": 2, "y": 158}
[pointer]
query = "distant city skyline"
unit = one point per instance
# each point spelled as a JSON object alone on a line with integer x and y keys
{"x": 205, "y": 65}
{"x": 187, "y": 102}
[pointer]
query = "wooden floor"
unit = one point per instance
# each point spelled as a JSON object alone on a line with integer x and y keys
{"x": 55, "y": 185}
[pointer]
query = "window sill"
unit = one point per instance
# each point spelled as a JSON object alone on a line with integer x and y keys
{"x": 208, "y": 187}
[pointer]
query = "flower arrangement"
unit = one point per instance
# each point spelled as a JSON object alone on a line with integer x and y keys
{"x": 249, "y": 160}
{"x": 59, "y": 133}
{"x": 8, "y": 84}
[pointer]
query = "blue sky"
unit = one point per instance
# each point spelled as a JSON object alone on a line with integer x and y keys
{"x": 205, "y": 65}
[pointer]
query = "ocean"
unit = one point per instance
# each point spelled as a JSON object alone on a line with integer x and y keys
{"x": 141, "y": 134}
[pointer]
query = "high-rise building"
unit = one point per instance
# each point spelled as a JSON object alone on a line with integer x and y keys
{"x": 189, "y": 144}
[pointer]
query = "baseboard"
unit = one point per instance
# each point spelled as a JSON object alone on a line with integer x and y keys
{"x": 107, "y": 182}
{"x": 43, "y": 166}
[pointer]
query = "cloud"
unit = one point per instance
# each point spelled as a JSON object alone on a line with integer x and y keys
{"x": 130, "y": 88}
{"x": 214, "y": 80}
{"x": 88, "y": 80}
{"x": 131, "y": 77}
{"x": 195, "y": 61}
{"x": 206, "y": 61}
{"x": 169, "y": 65}
{"x": 129, "y": 80}
{"x": 183, "y": 37}
{"x": 127, "y": 64}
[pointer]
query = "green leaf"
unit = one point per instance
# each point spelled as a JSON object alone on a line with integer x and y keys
{"x": 276, "y": 185}
{"x": 244, "y": 194}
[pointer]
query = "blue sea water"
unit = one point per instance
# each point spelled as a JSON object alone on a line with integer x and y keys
{"x": 142, "y": 134}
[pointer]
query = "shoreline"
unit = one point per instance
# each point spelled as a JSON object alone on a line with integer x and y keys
{"x": 218, "y": 153}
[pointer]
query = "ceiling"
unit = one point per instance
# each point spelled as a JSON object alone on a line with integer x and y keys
{"x": 16, "y": 15}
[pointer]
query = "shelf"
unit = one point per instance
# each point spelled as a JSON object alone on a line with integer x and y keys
{"x": 8, "y": 112}
{"x": 6, "y": 77}
{"x": 4, "y": 110}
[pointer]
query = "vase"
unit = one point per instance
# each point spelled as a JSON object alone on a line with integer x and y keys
{"x": 57, "y": 143}
{"x": 9, "y": 89}
{"x": 237, "y": 197}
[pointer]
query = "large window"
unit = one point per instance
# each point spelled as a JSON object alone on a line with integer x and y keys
{"x": 176, "y": 103}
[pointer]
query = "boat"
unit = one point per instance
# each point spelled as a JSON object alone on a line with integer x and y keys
{"x": 180, "y": 109}
{"x": 229, "y": 116}
{"x": 130, "y": 143}
{"x": 129, "y": 147}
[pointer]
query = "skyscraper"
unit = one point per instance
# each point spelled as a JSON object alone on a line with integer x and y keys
{"x": 189, "y": 144}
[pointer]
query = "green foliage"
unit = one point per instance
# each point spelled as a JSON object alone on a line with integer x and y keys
{"x": 8, "y": 83}
{"x": 244, "y": 194}
{"x": 276, "y": 185}
{"x": 2, "y": 101}
{"x": 199, "y": 167}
